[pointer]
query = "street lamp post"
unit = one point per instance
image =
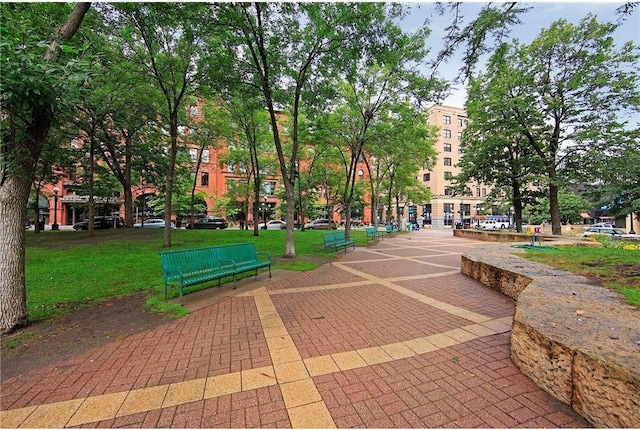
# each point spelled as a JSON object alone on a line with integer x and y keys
{"x": 55, "y": 225}
{"x": 264, "y": 211}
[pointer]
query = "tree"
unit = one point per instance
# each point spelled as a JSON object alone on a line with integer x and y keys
{"x": 495, "y": 151}
{"x": 165, "y": 41}
{"x": 249, "y": 154}
{"x": 37, "y": 77}
{"x": 290, "y": 51}
{"x": 614, "y": 174}
{"x": 566, "y": 95}
{"x": 372, "y": 113}
{"x": 571, "y": 206}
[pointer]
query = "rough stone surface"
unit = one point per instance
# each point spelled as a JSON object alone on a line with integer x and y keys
{"x": 576, "y": 340}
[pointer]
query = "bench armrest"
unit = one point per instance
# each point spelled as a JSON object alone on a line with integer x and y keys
{"x": 266, "y": 255}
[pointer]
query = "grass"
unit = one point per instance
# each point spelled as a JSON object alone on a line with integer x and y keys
{"x": 616, "y": 265}
{"x": 70, "y": 269}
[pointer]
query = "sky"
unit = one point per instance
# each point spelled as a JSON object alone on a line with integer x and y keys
{"x": 539, "y": 17}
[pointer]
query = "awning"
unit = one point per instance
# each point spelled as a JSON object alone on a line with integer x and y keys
{"x": 43, "y": 203}
{"x": 585, "y": 215}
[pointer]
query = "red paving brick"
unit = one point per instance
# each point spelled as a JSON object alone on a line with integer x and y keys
{"x": 469, "y": 384}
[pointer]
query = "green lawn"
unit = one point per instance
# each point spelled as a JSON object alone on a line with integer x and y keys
{"x": 613, "y": 265}
{"x": 67, "y": 269}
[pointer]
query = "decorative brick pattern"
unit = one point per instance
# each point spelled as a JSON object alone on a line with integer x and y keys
{"x": 388, "y": 336}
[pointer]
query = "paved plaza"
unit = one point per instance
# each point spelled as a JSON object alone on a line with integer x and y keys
{"x": 386, "y": 336}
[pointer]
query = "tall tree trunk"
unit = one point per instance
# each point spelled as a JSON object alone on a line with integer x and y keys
{"x": 14, "y": 194}
{"x": 166, "y": 241}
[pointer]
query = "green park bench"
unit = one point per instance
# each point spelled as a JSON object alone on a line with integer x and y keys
{"x": 391, "y": 230}
{"x": 334, "y": 241}
{"x": 373, "y": 234}
{"x": 195, "y": 266}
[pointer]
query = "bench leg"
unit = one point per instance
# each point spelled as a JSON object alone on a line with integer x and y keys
{"x": 269, "y": 271}
{"x": 234, "y": 281}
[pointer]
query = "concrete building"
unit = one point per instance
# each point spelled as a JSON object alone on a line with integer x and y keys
{"x": 446, "y": 207}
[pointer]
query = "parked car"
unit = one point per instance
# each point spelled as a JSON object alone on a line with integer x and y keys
{"x": 604, "y": 225}
{"x": 615, "y": 233}
{"x": 321, "y": 224}
{"x": 491, "y": 224}
{"x": 274, "y": 224}
{"x": 100, "y": 223}
{"x": 152, "y": 223}
{"x": 213, "y": 223}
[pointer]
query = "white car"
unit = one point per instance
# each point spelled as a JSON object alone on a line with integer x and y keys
{"x": 153, "y": 223}
{"x": 615, "y": 233}
{"x": 274, "y": 224}
{"x": 491, "y": 224}
{"x": 321, "y": 224}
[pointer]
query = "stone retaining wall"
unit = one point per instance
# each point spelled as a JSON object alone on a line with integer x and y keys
{"x": 578, "y": 341}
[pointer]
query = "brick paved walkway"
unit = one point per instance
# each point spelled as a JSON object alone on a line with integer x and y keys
{"x": 388, "y": 336}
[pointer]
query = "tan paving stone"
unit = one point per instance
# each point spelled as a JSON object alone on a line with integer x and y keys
{"x": 271, "y": 322}
{"x": 299, "y": 393}
{"x": 185, "y": 392}
{"x": 348, "y": 360}
{"x": 441, "y": 340}
{"x": 317, "y": 366}
{"x": 314, "y": 415}
{"x": 293, "y": 371}
{"x": 275, "y": 331}
{"x": 284, "y": 355}
{"x": 143, "y": 400}
{"x": 420, "y": 345}
{"x": 498, "y": 326}
{"x": 398, "y": 350}
{"x": 480, "y": 330}
{"x": 461, "y": 335}
{"x": 374, "y": 355}
{"x": 14, "y": 417}
{"x": 258, "y": 378}
{"x": 53, "y": 415}
{"x": 277, "y": 342}
{"x": 97, "y": 408}
{"x": 222, "y": 385}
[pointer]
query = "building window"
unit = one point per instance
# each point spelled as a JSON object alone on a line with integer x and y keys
{"x": 460, "y": 150}
{"x": 447, "y": 147}
{"x": 193, "y": 111}
{"x": 426, "y": 214}
{"x": 446, "y": 133}
{"x": 426, "y": 177}
{"x": 467, "y": 192}
{"x": 484, "y": 192}
{"x": 477, "y": 192}
{"x": 447, "y": 161}
{"x": 231, "y": 168}
{"x": 204, "y": 179}
{"x": 446, "y": 119}
{"x": 269, "y": 188}
{"x": 466, "y": 122}
{"x": 205, "y": 155}
{"x": 448, "y": 213}
{"x": 459, "y": 122}
{"x": 448, "y": 191}
{"x": 448, "y": 175}
{"x": 193, "y": 154}
{"x": 459, "y": 136}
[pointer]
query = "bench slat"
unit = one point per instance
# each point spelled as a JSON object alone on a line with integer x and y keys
{"x": 194, "y": 266}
